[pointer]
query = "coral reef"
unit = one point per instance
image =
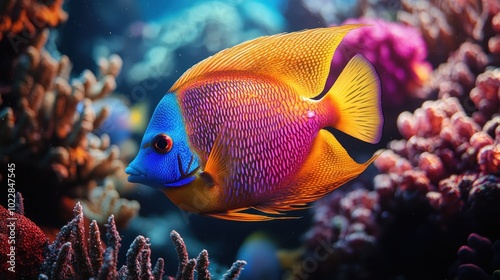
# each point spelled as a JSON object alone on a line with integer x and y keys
{"x": 457, "y": 76}
{"x": 74, "y": 256}
{"x": 106, "y": 201}
{"x": 445, "y": 25}
{"x": 29, "y": 16}
{"x": 46, "y": 129}
{"x": 437, "y": 185}
{"x": 70, "y": 256}
{"x": 22, "y": 243}
{"x": 401, "y": 63}
{"x": 21, "y": 25}
{"x": 343, "y": 236}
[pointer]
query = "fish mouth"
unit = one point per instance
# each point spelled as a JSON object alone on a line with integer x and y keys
{"x": 135, "y": 175}
{"x": 186, "y": 175}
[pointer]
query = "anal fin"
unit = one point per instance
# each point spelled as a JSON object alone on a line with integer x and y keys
{"x": 247, "y": 217}
{"x": 327, "y": 167}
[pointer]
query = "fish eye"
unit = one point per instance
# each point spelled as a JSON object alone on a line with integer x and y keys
{"x": 162, "y": 143}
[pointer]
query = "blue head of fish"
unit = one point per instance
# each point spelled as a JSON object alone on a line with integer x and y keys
{"x": 164, "y": 158}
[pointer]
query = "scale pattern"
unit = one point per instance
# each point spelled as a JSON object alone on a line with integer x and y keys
{"x": 266, "y": 129}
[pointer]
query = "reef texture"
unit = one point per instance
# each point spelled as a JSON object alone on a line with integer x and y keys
{"x": 46, "y": 124}
{"x": 401, "y": 63}
{"x": 22, "y": 23}
{"x": 70, "y": 256}
{"x": 22, "y": 243}
{"x": 76, "y": 254}
{"x": 106, "y": 201}
{"x": 439, "y": 183}
{"x": 28, "y": 17}
{"x": 446, "y": 24}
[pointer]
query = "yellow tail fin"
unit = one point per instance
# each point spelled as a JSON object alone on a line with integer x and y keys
{"x": 354, "y": 101}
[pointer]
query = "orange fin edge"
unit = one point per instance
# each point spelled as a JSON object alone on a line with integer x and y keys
{"x": 247, "y": 217}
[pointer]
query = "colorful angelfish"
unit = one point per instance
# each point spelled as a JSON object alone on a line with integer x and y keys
{"x": 254, "y": 118}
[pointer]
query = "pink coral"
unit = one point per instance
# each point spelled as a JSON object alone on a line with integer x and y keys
{"x": 71, "y": 257}
{"x": 401, "y": 63}
{"x": 441, "y": 181}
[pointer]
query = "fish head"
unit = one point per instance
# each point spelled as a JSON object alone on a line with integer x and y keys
{"x": 165, "y": 158}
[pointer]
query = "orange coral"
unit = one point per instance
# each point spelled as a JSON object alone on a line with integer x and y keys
{"x": 29, "y": 16}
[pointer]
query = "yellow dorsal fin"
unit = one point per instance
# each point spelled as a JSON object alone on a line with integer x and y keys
{"x": 355, "y": 101}
{"x": 300, "y": 59}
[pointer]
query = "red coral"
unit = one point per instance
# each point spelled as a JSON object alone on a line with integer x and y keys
{"x": 30, "y": 243}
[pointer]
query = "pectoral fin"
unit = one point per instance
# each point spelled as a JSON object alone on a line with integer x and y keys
{"x": 217, "y": 167}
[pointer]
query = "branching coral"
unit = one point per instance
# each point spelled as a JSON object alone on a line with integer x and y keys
{"x": 70, "y": 257}
{"x": 29, "y": 16}
{"x": 106, "y": 201}
{"x": 46, "y": 125}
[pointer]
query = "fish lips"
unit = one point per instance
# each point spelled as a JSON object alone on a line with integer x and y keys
{"x": 137, "y": 176}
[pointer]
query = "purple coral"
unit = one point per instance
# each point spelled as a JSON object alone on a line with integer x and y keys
{"x": 397, "y": 52}
{"x": 442, "y": 147}
{"x": 437, "y": 184}
{"x": 344, "y": 230}
{"x": 69, "y": 256}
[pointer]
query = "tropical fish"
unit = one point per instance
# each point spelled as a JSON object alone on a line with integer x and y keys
{"x": 254, "y": 117}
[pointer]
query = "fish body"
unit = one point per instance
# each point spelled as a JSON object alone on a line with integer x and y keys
{"x": 254, "y": 117}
